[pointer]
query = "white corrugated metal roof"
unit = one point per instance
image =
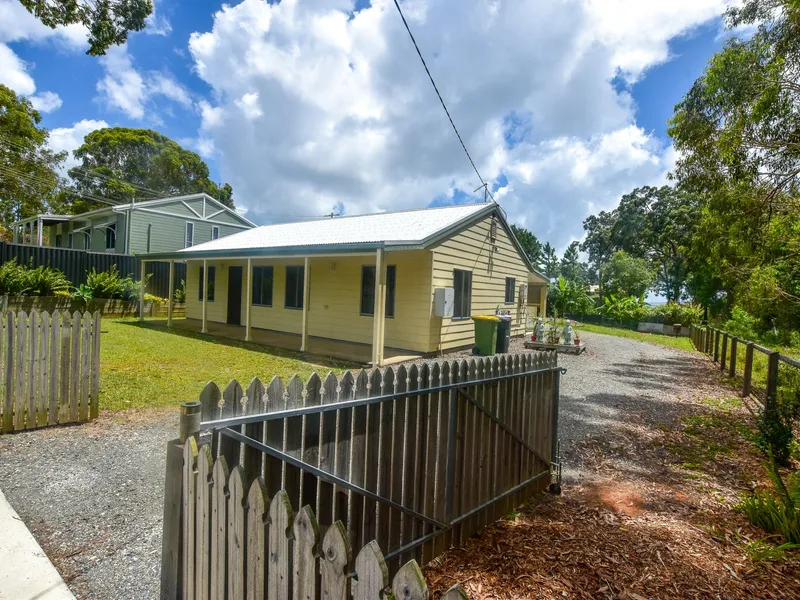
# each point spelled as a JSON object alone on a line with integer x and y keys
{"x": 410, "y": 227}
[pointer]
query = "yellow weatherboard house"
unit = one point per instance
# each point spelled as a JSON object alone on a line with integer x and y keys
{"x": 375, "y": 287}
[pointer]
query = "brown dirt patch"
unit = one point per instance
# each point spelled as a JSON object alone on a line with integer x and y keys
{"x": 655, "y": 519}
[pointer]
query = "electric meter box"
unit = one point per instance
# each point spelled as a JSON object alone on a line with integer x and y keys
{"x": 443, "y": 302}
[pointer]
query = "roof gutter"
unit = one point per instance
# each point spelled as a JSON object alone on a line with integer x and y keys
{"x": 228, "y": 253}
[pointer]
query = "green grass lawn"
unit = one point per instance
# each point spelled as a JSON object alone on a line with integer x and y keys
{"x": 145, "y": 366}
{"x": 682, "y": 343}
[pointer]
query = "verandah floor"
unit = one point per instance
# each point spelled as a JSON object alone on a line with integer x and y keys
{"x": 351, "y": 351}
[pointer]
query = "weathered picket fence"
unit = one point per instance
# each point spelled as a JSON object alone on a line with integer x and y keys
{"x": 764, "y": 372}
{"x": 50, "y": 369}
{"x": 241, "y": 543}
{"x": 415, "y": 459}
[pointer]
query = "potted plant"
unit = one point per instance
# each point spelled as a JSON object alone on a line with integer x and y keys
{"x": 577, "y": 339}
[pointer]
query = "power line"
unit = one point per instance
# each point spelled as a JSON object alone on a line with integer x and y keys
{"x": 484, "y": 185}
{"x": 88, "y": 173}
{"x": 42, "y": 183}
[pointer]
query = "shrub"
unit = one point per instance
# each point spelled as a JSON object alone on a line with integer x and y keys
{"x": 685, "y": 314}
{"x": 741, "y": 324}
{"x": 629, "y": 308}
{"x": 109, "y": 284}
{"x": 16, "y": 279}
{"x": 156, "y": 299}
{"x": 776, "y": 510}
{"x": 180, "y": 293}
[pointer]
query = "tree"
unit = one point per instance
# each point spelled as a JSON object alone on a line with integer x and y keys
{"x": 108, "y": 22}
{"x": 549, "y": 262}
{"x": 655, "y": 224}
{"x": 571, "y": 268}
{"x": 28, "y": 177}
{"x": 736, "y": 131}
{"x": 530, "y": 244}
{"x": 124, "y": 164}
{"x": 625, "y": 275}
{"x": 568, "y": 297}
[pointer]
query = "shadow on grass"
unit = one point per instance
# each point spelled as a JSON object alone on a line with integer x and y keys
{"x": 325, "y": 361}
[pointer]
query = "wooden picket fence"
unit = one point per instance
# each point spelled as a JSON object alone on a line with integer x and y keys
{"x": 50, "y": 369}
{"x": 414, "y": 459}
{"x": 763, "y": 372}
{"x": 240, "y": 543}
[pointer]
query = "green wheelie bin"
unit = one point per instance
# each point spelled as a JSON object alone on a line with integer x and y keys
{"x": 485, "y": 334}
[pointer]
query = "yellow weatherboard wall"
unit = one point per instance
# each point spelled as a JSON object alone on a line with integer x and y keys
{"x": 335, "y": 292}
{"x": 490, "y": 262}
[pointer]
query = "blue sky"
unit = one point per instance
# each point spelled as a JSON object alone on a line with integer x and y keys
{"x": 307, "y": 106}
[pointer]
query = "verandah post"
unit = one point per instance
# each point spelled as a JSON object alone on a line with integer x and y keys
{"x": 141, "y": 290}
{"x": 171, "y": 298}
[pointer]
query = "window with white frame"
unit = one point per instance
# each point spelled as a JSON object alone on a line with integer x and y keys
{"x": 111, "y": 236}
{"x": 189, "y": 241}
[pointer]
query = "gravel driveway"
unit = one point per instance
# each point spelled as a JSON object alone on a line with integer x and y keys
{"x": 92, "y": 494}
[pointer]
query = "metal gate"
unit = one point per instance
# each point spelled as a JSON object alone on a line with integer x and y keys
{"x": 416, "y": 458}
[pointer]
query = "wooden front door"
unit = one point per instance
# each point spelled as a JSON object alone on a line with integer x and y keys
{"x": 234, "y": 295}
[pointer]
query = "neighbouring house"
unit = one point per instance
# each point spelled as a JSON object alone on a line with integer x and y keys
{"x": 371, "y": 285}
{"x": 161, "y": 225}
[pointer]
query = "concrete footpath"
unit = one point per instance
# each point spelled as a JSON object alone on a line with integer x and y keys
{"x": 25, "y": 571}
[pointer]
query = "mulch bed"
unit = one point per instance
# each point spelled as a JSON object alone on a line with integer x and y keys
{"x": 667, "y": 531}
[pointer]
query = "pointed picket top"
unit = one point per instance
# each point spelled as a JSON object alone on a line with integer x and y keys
{"x": 495, "y": 362}
{"x": 401, "y": 379}
{"x": 330, "y": 387}
{"x": 372, "y": 574}
{"x": 295, "y": 390}
{"x": 336, "y": 556}
{"x": 231, "y": 398}
{"x": 312, "y": 390}
{"x": 280, "y": 532}
{"x": 455, "y": 593}
{"x": 518, "y": 364}
{"x": 276, "y": 394}
{"x": 281, "y": 513}
{"x": 362, "y": 384}
{"x": 445, "y": 372}
{"x": 463, "y": 370}
{"x": 409, "y": 583}
{"x": 347, "y": 386}
{"x": 257, "y": 514}
{"x": 435, "y": 375}
{"x": 306, "y": 528}
{"x": 256, "y": 396}
{"x": 76, "y": 315}
{"x": 190, "y": 452}
{"x": 423, "y": 376}
{"x": 472, "y": 367}
{"x": 387, "y": 383}
{"x": 306, "y": 539}
{"x": 413, "y": 377}
{"x": 210, "y": 398}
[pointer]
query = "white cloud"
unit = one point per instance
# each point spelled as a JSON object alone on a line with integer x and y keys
{"x": 18, "y": 25}
{"x": 46, "y": 101}
{"x": 69, "y": 138}
{"x": 124, "y": 89}
{"x": 315, "y": 106}
{"x": 157, "y": 23}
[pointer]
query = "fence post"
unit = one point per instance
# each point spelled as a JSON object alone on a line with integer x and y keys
{"x": 748, "y": 369}
{"x": 724, "y": 355}
{"x": 772, "y": 380}
{"x": 716, "y": 345}
{"x": 732, "y": 367}
{"x": 172, "y": 526}
{"x": 190, "y": 420}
